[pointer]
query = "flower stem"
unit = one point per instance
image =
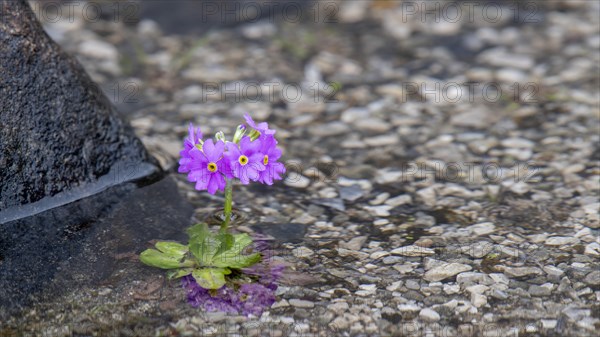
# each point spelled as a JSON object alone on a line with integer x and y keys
{"x": 228, "y": 202}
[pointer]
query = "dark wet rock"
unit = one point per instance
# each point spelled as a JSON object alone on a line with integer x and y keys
{"x": 288, "y": 232}
{"x": 200, "y": 16}
{"x": 351, "y": 193}
{"x": 334, "y": 203}
{"x": 84, "y": 242}
{"x": 59, "y": 132}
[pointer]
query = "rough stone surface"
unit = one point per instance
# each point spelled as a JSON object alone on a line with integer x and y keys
{"x": 445, "y": 271}
{"x": 58, "y": 130}
{"x": 429, "y": 315}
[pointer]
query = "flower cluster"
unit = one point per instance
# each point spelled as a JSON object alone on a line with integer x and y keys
{"x": 251, "y": 156}
{"x": 215, "y": 267}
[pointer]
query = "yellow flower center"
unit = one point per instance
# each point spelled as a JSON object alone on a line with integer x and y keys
{"x": 243, "y": 160}
{"x": 266, "y": 160}
{"x": 212, "y": 167}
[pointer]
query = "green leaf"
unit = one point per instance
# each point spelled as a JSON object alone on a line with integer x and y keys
{"x": 227, "y": 240}
{"x": 204, "y": 248}
{"x": 198, "y": 230}
{"x": 210, "y": 278}
{"x": 154, "y": 258}
{"x": 236, "y": 260}
{"x": 241, "y": 241}
{"x": 203, "y": 244}
{"x": 175, "y": 274}
{"x": 174, "y": 249}
{"x": 222, "y": 250}
{"x": 233, "y": 257}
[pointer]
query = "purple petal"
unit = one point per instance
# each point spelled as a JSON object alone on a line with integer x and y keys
{"x": 218, "y": 151}
{"x": 233, "y": 151}
{"x": 191, "y": 137}
{"x": 267, "y": 142}
{"x": 213, "y": 185}
{"x": 201, "y": 184}
{"x": 249, "y": 120}
{"x": 184, "y": 164}
{"x": 278, "y": 167}
{"x": 225, "y": 168}
{"x": 252, "y": 147}
{"x": 266, "y": 178}
{"x": 220, "y": 181}
{"x": 197, "y": 155}
{"x": 194, "y": 136}
{"x": 208, "y": 148}
{"x": 241, "y": 174}
{"x": 257, "y": 161}
{"x": 247, "y": 146}
{"x": 262, "y": 127}
{"x": 274, "y": 153}
{"x": 251, "y": 173}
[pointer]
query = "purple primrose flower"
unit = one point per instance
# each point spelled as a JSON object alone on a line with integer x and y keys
{"x": 248, "y": 158}
{"x": 207, "y": 167}
{"x": 245, "y": 161}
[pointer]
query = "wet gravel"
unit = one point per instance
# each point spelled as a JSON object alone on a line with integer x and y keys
{"x": 406, "y": 211}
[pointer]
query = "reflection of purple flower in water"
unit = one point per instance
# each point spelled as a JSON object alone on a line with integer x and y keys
{"x": 268, "y": 271}
{"x": 250, "y": 298}
{"x": 255, "y": 297}
{"x": 263, "y": 244}
{"x": 225, "y": 299}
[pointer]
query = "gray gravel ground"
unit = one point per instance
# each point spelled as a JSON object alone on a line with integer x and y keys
{"x": 415, "y": 204}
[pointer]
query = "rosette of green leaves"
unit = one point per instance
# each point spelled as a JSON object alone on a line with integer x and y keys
{"x": 208, "y": 257}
